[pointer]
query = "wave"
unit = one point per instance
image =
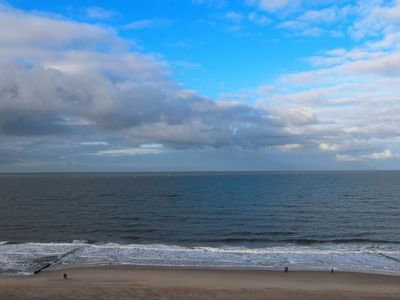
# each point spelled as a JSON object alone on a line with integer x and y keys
{"x": 29, "y": 257}
{"x": 300, "y": 241}
{"x": 342, "y": 241}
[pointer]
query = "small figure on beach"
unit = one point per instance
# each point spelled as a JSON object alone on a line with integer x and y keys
{"x": 65, "y": 276}
{"x": 286, "y": 269}
{"x": 332, "y": 271}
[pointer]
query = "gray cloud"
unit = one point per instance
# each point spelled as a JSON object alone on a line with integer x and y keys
{"x": 25, "y": 31}
{"x": 87, "y": 82}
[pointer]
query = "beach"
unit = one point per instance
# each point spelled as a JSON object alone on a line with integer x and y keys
{"x": 181, "y": 283}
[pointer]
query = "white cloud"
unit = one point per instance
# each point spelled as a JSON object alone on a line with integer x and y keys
{"x": 290, "y": 147}
{"x": 328, "y": 147}
{"x": 352, "y": 96}
{"x": 241, "y": 23}
{"x": 327, "y": 15}
{"x": 376, "y": 18}
{"x": 296, "y": 115}
{"x": 95, "y": 143}
{"x": 146, "y": 149}
{"x": 318, "y": 22}
{"x": 270, "y": 5}
{"x": 347, "y": 158}
{"x": 148, "y": 23}
{"x": 385, "y": 154}
{"x": 99, "y": 13}
{"x": 257, "y": 19}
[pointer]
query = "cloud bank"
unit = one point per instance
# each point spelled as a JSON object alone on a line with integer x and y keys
{"x": 81, "y": 82}
{"x": 71, "y": 89}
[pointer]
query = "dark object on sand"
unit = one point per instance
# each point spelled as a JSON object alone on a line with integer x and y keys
{"x": 286, "y": 269}
{"x": 65, "y": 276}
{"x": 332, "y": 271}
{"x": 42, "y": 268}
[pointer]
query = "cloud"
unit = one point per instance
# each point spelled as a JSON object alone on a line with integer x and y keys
{"x": 148, "y": 23}
{"x": 85, "y": 81}
{"x": 327, "y": 15}
{"x": 67, "y": 87}
{"x": 297, "y": 116}
{"x": 146, "y": 149}
{"x": 241, "y": 23}
{"x": 29, "y": 34}
{"x": 95, "y": 143}
{"x": 233, "y": 16}
{"x": 387, "y": 64}
{"x": 385, "y": 154}
{"x": 347, "y": 102}
{"x": 328, "y": 147}
{"x": 376, "y": 18}
{"x": 270, "y": 5}
{"x": 317, "y": 22}
{"x": 187, "y": 65}
{"x": 347, "y": 158}
{"x": 99, "y": 13}
{"x": 257, "y": 19}
{"x": 290, "y": 147}
{"x": 145, "y": 101}
{"x": 211, "y": 3}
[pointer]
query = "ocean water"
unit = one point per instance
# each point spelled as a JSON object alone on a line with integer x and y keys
{"x": 303, "y": 220}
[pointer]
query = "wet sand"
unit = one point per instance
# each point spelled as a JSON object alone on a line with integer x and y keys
{"x": 176, "y": 283}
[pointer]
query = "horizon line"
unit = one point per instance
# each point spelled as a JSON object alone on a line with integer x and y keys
{"x": 191, "y": 172}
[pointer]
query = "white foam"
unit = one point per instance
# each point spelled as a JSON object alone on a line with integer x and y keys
{"x": 79, "y": 242}
{"x": 350, "y": 257}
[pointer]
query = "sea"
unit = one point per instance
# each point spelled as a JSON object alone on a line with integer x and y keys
{"x": 346, "y": 221}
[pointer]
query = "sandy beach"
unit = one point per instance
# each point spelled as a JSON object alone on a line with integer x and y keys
{"x": 173, "y": 283}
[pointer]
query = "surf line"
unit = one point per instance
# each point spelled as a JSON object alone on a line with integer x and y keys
{"x": 55, "y": 261}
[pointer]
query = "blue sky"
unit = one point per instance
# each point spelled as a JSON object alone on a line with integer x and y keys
{"x": 212, "y": 46}
{"x": 199, "y": 85}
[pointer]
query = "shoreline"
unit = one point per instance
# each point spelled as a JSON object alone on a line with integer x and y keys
{"x": 127, "y": 282}
{"x": 390, "y": 273}
{"x": 222, "y": 268}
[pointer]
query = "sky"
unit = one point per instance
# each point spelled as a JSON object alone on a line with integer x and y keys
{"x": 199, "y": 85}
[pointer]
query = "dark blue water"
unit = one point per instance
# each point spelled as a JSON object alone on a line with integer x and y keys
{"x": 306, "y": 219}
